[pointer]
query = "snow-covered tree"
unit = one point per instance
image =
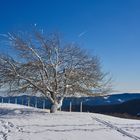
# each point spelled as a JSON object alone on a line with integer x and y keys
{"x": 43, "y": 64}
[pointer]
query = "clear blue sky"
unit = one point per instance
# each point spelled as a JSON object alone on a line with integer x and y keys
{"x": 108, "y": 28}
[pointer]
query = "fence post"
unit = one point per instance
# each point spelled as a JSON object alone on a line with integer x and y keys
{"x": 28, "y": 101}
{"x": 43, "y": 104}
{"x": 15, "y": 100}
{"x": 22, "y": 101}
{"x": 9, "y": 100}
{"x": 81, "y": 107}
{"x": 70, "y": 106}
{"x": 36, "y": 103}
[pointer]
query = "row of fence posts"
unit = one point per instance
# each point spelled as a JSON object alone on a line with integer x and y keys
{"x": 81, "y": 107}
{"x": 28, "y": 104}
{"x": 22, "y": 102}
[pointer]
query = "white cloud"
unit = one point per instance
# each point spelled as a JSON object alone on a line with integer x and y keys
{"x": 82, "y": 33}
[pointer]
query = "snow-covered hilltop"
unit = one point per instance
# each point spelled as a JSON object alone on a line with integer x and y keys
{"x": 18, "y": 122}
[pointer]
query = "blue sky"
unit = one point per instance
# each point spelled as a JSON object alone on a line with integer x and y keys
{"x": 108, "y": 28}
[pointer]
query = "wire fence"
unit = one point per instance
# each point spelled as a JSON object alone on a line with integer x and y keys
{"x": 39, "y": 103}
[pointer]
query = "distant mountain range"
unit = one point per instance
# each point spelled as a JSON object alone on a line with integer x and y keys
{"x": 126, "y": 103}
{"x": 126, "y": 109}
{"x": 106, "y": 100}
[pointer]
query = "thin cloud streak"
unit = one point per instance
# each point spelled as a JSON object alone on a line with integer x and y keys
{"x": 82, "y": 33}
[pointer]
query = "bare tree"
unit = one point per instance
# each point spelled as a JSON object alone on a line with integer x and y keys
{"x": 42, "y": 64}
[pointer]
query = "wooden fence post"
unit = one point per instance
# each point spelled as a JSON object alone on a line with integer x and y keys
{"x": 36, "y": 103}
{"x": 43, "y": 104}
{"x": 9, "y": 100}
{"x": 28, "y": 101}
{"x": 22, "y": 102}
{"x": 15, "y": 100}
{"x": 81, "y": 107}
{"x": 70, "y": 106}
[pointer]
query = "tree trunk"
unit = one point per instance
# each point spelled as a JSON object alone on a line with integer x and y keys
{"x": 54, "y": 108}
{"x": 56, "y": 105}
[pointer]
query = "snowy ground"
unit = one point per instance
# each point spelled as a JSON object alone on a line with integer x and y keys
{"x": 18, "y": 122}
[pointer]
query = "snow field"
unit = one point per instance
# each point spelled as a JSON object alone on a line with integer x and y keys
{"x": 25, "y": 123}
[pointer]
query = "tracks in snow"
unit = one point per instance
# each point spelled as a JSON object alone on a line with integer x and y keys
{"x": 6, "y": 128}
{"x": 116, "y": 128}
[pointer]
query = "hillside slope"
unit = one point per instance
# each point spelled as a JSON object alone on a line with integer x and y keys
{"x": 18, "y": 122}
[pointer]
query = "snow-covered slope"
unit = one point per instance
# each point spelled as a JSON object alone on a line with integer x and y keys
{"x": 18, "y": 122}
